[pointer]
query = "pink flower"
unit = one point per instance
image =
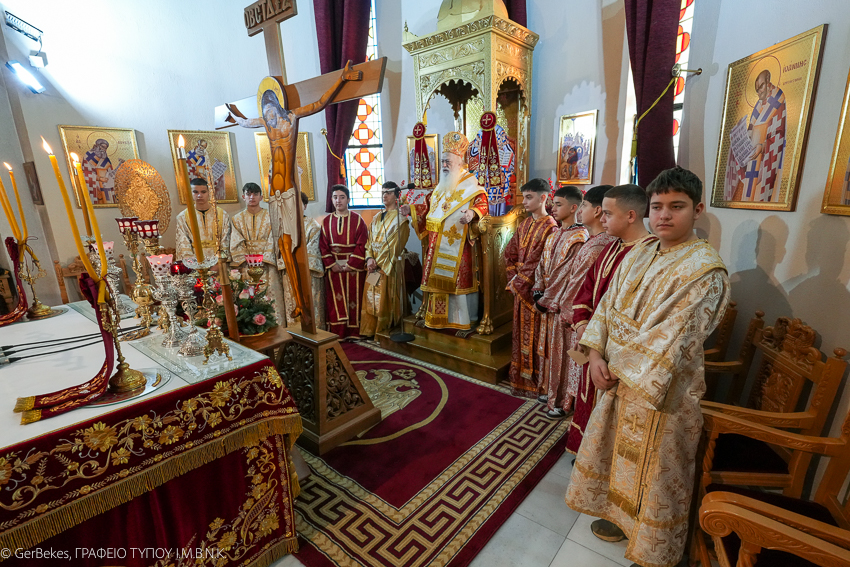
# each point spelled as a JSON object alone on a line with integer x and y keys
{"x": 259, "y": 319}
{"x": 236, "y": 307}
{"x": 244, "y": 294}
{"x": 219, "y": 299}
{"x": 218, "y": 322}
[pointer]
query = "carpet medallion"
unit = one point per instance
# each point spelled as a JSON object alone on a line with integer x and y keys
{"x": 433, "y": 481}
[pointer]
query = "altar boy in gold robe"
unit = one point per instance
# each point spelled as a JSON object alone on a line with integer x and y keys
{"x": 522, "y": 255}
{"x": 388, "y": 233}
{"x": 208, "y": 220}
{"x": 252, "y": 234}
{"x": 635, "y": 466}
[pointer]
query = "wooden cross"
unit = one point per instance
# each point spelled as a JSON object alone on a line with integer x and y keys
{"x": 300, "y": 99}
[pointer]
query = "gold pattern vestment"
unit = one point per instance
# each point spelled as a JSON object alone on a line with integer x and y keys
{"x": 635, "y": 466}
{"x": 205, "y": 227}
{"x": 382, "y": 303}
{"x": 252, "y": 234}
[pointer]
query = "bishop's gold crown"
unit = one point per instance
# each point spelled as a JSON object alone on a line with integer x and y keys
{"x": 455, "y": 143}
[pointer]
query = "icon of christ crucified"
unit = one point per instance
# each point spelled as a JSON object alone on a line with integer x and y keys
{"x": 281, "y": 125}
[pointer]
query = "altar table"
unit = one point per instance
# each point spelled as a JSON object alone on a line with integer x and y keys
{"x": 195, "y": 472}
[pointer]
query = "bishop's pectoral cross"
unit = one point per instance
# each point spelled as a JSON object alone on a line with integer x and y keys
{"x": 278, "y": 108}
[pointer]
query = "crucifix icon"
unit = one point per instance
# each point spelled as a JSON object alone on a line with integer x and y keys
{"x": 277, "y": 107}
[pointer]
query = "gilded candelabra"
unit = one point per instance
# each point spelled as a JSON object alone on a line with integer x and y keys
{"x": 125, "y": 379}
{"x": 142, "y": 290}
{"x": 193, "y": 344}
{"x": 167, "y": 296}
{"x": 215, "y": 338}
{"x": 37, "y": 310}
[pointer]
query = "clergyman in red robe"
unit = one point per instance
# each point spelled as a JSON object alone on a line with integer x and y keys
{"x": 342, "y": 244}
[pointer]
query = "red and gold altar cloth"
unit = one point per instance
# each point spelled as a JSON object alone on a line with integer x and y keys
{"x": 202, "y": 467}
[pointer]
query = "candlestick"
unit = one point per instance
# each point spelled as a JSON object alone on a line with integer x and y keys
{"x": 10, "y": 215}
{"x": 24, "y": 232}
{"x": 80, "y": 249}
{"x": 83, "y": 189}
{"x": 191, "y": 216}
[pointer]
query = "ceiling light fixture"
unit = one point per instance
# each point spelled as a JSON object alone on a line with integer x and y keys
{"x": 25, "y": 76}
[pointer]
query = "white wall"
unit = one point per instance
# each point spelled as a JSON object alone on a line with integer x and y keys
{"x": 788, "y": 263}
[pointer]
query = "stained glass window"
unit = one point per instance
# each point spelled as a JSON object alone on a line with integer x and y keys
{"x": 683, "y": 50}
{"x": 364, "y": 157}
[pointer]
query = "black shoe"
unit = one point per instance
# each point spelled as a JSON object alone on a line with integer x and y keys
{"x": 542, "y": 399}
{"x": 558, "y": 413}
{"x": 607, "y": 531}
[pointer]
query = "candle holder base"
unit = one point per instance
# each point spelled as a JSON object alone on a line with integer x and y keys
{"x": 38, "y": 310}
{"x": 126, "y": 380}
{"x": 174, "y": 337}
{"x": 193, "y": 345}
{"x": 216, "y": 344}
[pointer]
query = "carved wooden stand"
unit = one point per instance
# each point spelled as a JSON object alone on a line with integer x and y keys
{"x": 333, "y": 404}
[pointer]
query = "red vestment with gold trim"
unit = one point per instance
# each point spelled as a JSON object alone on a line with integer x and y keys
{"x": 343, "y": 239}
{"x": 522, "y": 256}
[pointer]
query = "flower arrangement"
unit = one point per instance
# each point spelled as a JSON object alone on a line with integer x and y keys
{"x": 254, "y": 313}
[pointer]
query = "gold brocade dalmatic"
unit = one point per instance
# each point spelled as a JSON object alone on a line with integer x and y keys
{"x": 382, "y": 302}
{"x": 252, "y": 234}
{"x": 205, "y": 226}
{"x": 635, "y": 466}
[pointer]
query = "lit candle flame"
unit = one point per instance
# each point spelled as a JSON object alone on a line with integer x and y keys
{"x": 46, "y": 146}
{"x": 180, "y": 141}
{"x": 9, "y": 167}
{"x": 75, "y": 158}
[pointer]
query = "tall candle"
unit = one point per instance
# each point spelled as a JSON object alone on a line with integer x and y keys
{"x": 80, "y": 249}
{"x": 97, "y": 236}
{"x": 84, "y": 191}
{"x": 24, "y": 232}
{"x": 191, "y": 216}
{"x": 10, "y": 216}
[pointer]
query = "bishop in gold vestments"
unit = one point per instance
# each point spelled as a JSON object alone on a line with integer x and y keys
{"x": 635, "y": 466}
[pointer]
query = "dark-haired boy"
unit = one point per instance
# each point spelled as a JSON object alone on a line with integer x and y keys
{"x": 251, "y": 233}
{"x": 635, "y": 466}
{"x": 208, "y": 219}
{"x": 521, "y": 257}
{"x": 551, "y": 278}
{"x": 343, "y": 246}
{"x": 565, "y": 373}
{"x": 623, "y": 209}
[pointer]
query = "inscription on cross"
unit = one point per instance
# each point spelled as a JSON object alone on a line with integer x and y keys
{"x": 265, "y": 16}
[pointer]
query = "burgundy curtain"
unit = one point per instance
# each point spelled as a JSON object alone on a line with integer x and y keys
{"x": 651, "y": 26}
{"x": 342, "y": 30}
{"x": 516, "y": 11}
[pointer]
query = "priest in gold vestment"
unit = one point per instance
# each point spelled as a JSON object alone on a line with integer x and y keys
{"x": 449, "y": 222}
{"x": 388, "y": 233}
{"x": 207, "y": 222}
{"x": 251, "y": 233}
{"x": 635, "y": 466}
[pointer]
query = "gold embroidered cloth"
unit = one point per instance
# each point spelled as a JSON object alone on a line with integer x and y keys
{"x": 382, "y": 302}
{"x": 60, "y": 480}
{"x": 635, "y": 466}
{"x": 208, "y": 235}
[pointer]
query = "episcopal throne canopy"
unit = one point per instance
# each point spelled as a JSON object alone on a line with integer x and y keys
{"x": 480, "y": 60}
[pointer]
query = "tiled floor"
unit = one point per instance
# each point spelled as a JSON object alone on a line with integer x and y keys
{"x": 543, "y": 532}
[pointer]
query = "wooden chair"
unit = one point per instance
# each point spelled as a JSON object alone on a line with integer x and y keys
{"x": 788, "y": 362}
{"x": 73, "y": 270}
{"x": 722, "y": 335}
{"x": 749, "y": 526}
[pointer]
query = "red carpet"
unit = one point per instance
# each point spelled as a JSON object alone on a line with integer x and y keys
{"x": 434, "y": 480}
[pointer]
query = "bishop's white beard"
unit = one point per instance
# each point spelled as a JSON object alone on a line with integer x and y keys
{"x": 449, "y": 180}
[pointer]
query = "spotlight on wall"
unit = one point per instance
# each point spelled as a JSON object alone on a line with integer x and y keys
{"x": 25, "y": 76}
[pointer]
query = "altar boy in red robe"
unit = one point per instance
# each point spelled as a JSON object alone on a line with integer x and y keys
{"x": 521, "y": 257}
{"x": 342, "y": 244}
{"x": 623, "y": 209}
{"x": 565, "y": 373}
